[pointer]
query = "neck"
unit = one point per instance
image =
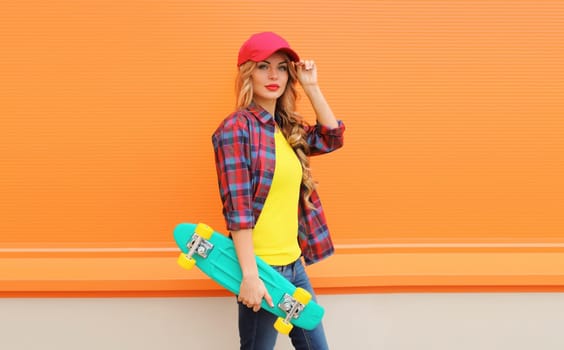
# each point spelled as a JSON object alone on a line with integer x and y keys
{"x": 268, "y": 105}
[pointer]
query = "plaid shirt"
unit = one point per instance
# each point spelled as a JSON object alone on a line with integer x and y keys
{"x": 245, "y": 160}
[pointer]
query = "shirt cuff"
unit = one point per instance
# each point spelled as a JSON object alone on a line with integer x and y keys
{"x": 239, "y": 220}
{"x": 338, "y": 131}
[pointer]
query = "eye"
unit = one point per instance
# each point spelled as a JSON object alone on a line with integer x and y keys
{"x": 262, "y": 66}
{"x": 283, "y": 68}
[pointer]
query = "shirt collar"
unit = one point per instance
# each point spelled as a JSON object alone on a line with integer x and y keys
{"x": 260, "y": 113}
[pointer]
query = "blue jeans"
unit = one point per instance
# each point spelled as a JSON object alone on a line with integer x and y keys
{"x": 256, "y": 329}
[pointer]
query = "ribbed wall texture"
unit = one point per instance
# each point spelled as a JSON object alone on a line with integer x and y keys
{"x": 454, "y": 110}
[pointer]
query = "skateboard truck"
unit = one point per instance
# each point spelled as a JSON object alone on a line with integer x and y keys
{"x": 291, "y": 307}
{"x": 200, "y": 246}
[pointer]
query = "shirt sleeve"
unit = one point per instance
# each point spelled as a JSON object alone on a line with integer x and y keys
{"x": 322, "y": 139}
{"x": 231, "y": 144}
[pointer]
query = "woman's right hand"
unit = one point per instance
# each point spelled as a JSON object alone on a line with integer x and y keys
{"x": 252, "y": 291}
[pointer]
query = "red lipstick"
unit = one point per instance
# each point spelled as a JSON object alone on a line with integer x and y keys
{"x": 273, "y": 87}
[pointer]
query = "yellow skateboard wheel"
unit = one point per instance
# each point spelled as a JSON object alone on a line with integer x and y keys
{"x": 203, "y": 231}
{"x": 302, "y": 296}
{"x": 185, "y": 263}
{"x": 282, "y": 326}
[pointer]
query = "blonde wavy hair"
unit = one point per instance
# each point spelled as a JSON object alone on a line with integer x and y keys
{"x": 292, "y": 124}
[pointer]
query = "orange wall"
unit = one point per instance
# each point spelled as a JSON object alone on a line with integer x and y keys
{"x": 454, "y": 112}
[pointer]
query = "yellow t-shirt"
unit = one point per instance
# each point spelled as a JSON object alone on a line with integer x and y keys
{"x": 275, "y": 235}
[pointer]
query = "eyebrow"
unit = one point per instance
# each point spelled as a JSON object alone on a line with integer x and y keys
{"x": 283, "y": 62}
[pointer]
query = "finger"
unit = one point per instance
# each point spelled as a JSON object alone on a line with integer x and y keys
{"x": 268, "y": 299}
{"x": 305, "y": 64}
{"x": 309, "y": 64}
{"x": 256, "y": 307}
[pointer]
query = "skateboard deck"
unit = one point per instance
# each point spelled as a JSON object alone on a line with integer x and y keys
{"x": 214, "y": 254}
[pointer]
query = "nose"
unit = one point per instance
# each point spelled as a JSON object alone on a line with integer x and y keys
{"x": 272, "y": 73}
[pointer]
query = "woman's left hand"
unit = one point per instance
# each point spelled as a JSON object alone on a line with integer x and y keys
{"x": 307, "y": 72}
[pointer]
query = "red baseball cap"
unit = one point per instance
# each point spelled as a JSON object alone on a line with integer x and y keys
{"x": 260, "y": 46}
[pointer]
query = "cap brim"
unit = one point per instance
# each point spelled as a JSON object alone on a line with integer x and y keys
{"x": 292, "y": 55}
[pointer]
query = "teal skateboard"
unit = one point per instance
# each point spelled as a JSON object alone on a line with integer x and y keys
{"x": 215, "y": 255}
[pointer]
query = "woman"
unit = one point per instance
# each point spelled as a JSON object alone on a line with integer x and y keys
{"x": 269, "y": 199}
